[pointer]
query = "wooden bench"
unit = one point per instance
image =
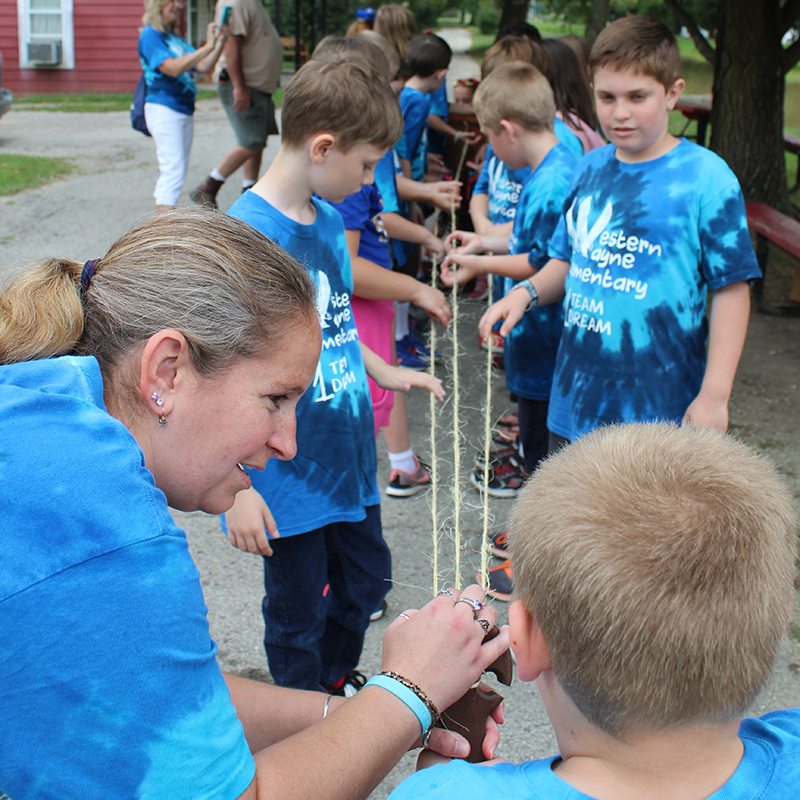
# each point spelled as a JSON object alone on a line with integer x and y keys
{"x": 791, "y": 144}
{"x": 772, "y": 227}
{"x": 290, "y": 50}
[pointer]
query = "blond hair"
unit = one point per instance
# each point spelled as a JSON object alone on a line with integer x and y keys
{"x": 658, "y": 562}
{"x": 513, "y": 48}
{"x": 641, "y": 44}
{"x": 228, "y": 289}
{"x": 392, "y": 56}
{"x": 517, "y": 92}
{"x": 333, "y": 48}
{"x": 152, "y": 14}
{"x": 323, "y": 96}
{"x": 397, "y": 24}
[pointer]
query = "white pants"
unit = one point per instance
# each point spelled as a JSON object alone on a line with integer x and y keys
{"x": 172, "y": 133}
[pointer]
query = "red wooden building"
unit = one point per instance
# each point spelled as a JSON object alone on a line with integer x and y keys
{"x": 78, "y": 45}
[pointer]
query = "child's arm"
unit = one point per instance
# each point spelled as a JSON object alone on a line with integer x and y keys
{"x": 442, "y": 194}
{"x": 473, "y": 243}
{"x": 398, "y": 227}
{"x": 397, "y": 379}
{"x": 728, "y": 318}
{"x": 438, "y": 124}
{"x": 549, "y": 284}
{"x": 375, "y": 282}
{"x": 479, "y": 213}
{"x": 467, "y": 267}
{"x": 248, "y": 521}
{"x": 405, "y": 166}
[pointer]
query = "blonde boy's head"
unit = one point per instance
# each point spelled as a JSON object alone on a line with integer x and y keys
{"x": 516, "y": 92}
{"x": 323, "y": 95}
{"x": 658, "y": 563}
{"x": 640, "y": 44}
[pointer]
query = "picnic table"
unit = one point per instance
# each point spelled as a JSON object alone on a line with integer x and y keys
{"x": 696, "y": 108}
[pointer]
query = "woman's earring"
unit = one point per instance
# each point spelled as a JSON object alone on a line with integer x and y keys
{"x": 162, "y": 420}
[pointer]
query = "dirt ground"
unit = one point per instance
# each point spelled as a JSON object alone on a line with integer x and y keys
{"x": 83, "y": 214}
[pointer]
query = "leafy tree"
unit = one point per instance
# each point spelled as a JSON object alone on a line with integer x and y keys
{"x": 750, "y": 66}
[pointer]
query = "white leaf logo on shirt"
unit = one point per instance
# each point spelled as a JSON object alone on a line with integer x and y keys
{"x": 580, "y": 233}
{"x": 323, "y": 298}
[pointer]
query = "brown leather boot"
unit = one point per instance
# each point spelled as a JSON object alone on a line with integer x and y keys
{"x": 206, "y": 193}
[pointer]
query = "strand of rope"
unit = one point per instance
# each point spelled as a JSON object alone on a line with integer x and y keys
{"x": 434, "y": 460}
{"x": 456, "y": 423}
{"x": 487, "y": 444}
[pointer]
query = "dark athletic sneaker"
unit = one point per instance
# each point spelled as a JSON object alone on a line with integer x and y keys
{"x": 349, "y": 685}
{"x": 379, "y": 612}
{"x": 506, "y": 477}
{"x": 501, "y": 583}
{"x": 498, "y": 544}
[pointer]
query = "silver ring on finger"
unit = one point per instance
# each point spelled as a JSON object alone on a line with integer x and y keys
{"x": 448, "y": 593}
{"x": 405, "y": 616}
{"x": 475, "y": 605}
{"x": 484, "y": 623}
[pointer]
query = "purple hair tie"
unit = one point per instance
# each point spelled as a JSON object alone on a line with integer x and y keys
{"x": 87, "y": 274}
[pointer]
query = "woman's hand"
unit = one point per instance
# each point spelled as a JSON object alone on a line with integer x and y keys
{"x": 440, "y": 647}
{"x": 248, "y": 522}
{"x": 444, "y": 745}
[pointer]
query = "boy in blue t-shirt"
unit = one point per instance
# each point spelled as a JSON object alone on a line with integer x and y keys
{"x": 428, "y": 57}
{"x": 652, "y": 223}
{"x": 317, "y": 517}
{"x": 516, "y": 109}
{"x": 654, "y": 580}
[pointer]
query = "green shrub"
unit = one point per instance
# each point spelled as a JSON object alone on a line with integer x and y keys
{"x": 488, "y": 18}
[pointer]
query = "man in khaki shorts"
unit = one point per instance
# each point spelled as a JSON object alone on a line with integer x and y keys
{"x": 247, "y": 76}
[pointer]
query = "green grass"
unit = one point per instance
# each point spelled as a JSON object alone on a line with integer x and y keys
{"x": 27, "y": 172}
{"x": 87, "y": 102}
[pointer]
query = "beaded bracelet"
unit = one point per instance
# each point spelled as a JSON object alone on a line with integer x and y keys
{"x": 410, "y": 694}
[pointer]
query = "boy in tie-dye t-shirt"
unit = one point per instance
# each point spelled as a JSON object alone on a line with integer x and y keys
{"x": 651, "y": 225}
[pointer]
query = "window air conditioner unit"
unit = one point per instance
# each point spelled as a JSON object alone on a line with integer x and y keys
{"x": 47, "y": 53}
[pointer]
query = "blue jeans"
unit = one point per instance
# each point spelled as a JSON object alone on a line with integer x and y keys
{"x": 313, "y": 637}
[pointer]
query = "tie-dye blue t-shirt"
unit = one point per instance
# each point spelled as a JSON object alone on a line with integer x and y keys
{"x": 333, "y": 477}
{"x": 109, "y": 684}
{"x": 155, "y": 48}
{"x": 413, "y": 144}
{"x": 530, "y": 349}
{"x": 503, "y": 185}
{"x": 362, "y": 212}
{"x": 645, "y": 242}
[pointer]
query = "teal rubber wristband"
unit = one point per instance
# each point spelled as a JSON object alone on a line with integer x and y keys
{"x": 405, "y": 695}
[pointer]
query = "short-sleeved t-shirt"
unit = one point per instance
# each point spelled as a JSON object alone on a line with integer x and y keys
{"x": 645, "y": 242}
{"x": 154, "y": 49}
{"x": 503, "y": 185}
{"x": 260, "y": 50}
{"x": 108, "y": 675}
{"x": 437, "y": 141}
{"x": 413, "y": 144}
{"x": 333, "y": 477}
{"x": 530, "y": 349}
{"x": 362, "y": 212}
{"x": 769, "y": 770}
{"x": 385, "y": 171}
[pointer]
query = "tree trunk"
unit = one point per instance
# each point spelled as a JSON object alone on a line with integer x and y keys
{"x": 596, "y": 19}
{"x": 747, "y": 112}
{"x": 513, "y": 11}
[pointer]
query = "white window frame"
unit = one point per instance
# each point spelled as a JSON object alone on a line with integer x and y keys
{"x": 25, "y": 36}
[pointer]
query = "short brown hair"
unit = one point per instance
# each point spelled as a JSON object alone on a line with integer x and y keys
{"x": 513, "y": 48}
{"x": 517, "y": 92}
{"x": 658, "y": 562}
{"x": 641, "y": 44}
{"x": 323, "y": 96}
